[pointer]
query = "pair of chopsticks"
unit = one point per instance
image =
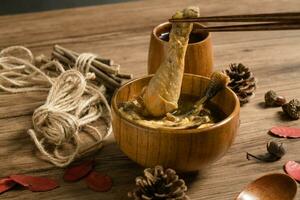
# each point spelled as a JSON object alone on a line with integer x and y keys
{"x": 275, "y": 21}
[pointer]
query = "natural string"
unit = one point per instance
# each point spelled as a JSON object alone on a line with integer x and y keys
{"x": 73, "y": 103}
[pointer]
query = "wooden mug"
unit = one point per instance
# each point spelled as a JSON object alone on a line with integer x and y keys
{"x": 198, "y": 58}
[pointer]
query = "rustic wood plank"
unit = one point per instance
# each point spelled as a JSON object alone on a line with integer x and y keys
{"x": 12, "y": 105}
{"x": 122, "y": 32}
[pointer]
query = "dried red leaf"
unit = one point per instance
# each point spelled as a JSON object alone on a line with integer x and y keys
{"x": 283, "y": 131}
{"x": 292, "y": 168}
{"x": 77, "y": 172}
{"x": 35, "y": 183}
{"x": 6, "y": 184}
{"x": 98, "y": 182}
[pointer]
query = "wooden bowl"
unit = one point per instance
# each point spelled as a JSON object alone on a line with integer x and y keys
{"x": 198, "y": 58}
{"x": 182, "y": 150}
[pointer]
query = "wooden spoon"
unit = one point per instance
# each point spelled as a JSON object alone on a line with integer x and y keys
{"x": 270, "y": 187}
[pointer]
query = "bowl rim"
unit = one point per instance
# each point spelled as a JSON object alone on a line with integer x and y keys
{"x": 190, "y": 44}
{"x": 233, "y": 114}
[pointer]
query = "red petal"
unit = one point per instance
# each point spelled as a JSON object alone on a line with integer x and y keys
{"x": 34, "y": 183}
{"x": 79, "y": 171}
{"x": 283, "y": 131}
{"x": 292, "y": 168}
{"x": 98, "y": 182}
{"x": 6, "y": 184}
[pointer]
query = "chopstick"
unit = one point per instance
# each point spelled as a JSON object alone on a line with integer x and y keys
{"x": 250, "y": 27}
{"x": 271, "y": 17}
{"x": 276, "y": 21}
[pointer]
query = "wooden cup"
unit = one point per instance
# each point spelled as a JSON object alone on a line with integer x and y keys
{"x": 183, "y": 150}
{"x": 198, "y": 58}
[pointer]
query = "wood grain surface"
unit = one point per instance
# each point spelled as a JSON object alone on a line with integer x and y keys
{"x": 122, "y": 32}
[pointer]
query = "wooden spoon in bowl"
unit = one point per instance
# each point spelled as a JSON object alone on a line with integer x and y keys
{"x": 270, "y": 187}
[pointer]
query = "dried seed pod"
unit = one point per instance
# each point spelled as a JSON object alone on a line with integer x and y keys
{"x": 276, "y": 149}
{"x": 280, "y": 100}
{"x": 272, "y": 99}
{"x": 292, "y": 109}
{"x": 275, "y": 152}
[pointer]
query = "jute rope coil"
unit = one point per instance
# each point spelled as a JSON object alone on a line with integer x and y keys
{"x": 73, "y": 103}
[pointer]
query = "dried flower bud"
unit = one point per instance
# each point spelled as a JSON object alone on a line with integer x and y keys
{"x": 275, "y": 152}
{"x": 292, "y": 109}
{"x": 276, "y": 149}
{"x": 272, "y": 99}
{"x": 280, "y": 100}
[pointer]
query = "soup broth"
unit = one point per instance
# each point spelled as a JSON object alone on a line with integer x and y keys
{"x": 182, "y": 118}
{"x": 186, "y": 103}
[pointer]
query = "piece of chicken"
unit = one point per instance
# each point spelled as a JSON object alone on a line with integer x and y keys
{"x": 163, "y": 91}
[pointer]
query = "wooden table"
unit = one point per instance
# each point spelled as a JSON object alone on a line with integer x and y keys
{"x": 121, "y": 32}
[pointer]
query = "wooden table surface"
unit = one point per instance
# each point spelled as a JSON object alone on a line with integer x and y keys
{"x": 121, "y": 32}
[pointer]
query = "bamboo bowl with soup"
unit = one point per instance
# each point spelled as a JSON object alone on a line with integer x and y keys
{"x": 183, "y": 150}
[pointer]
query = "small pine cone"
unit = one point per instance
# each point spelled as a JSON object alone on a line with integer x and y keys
{"x": 242, "y": 82}
{"x": 159, "y": 184}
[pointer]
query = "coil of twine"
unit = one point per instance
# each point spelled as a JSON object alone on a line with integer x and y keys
{"x": 72, "y": 104}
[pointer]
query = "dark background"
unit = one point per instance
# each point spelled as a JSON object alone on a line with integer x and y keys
{"x": 24, "y": 6}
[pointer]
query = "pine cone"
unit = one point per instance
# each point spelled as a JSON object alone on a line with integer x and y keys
{"x": 242, "y": 82}
{"x": 159, "y": 184}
